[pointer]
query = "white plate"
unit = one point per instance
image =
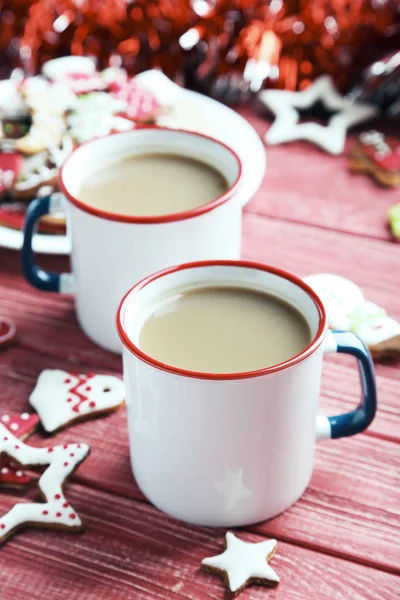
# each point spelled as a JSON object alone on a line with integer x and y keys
{"x": 190, "y": 111}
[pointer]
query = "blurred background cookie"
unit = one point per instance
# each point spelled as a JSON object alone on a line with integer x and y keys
{"x": 377, "y": 155}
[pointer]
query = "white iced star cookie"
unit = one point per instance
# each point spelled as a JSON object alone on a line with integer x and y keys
{"x": 243, "y": 563}
{"x": 286, "y": 127}
{"x": 62, "y": 398}
{"x": 55, "y": 512}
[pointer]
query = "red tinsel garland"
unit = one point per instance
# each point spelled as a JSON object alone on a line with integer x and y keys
{"x": 281, "y": 43}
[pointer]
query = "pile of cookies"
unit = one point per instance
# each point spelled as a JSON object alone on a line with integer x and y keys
{"x": 43, "y": 118}
{"x": 61, "y": 399}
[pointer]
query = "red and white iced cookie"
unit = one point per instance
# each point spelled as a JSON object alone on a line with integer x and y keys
{"x": 55, "y": 511}
{"x": 11, "y": 102}
{"x": 382, "y": 336}
{"x": 377, "y": 155}
{"x": 10, "y": 168}
{"x": 41, "y": 170}
{"x": 21, "y": 426}
{"x": 67, "y": 65}
{"x": 62, "y": 398}
{"x": 114, "y": 76}
{"x": 86, "y": 126}
{"x": 8, "y": 332}
{"x": 12, "y": 215}
{"x": 43, "y": 96}
{"x": 47, "y": 129}
{"x": 141, "y": 105}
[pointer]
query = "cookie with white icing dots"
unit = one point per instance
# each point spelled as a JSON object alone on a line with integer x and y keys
{"x": 62, "y": 398}
{"x": 347, "y": 309}
{"x": 55, "y": 512}
{"x": 243, "y": 563}
{"x": 21, "y": 426}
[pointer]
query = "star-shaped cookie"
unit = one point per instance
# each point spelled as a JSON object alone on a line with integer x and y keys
{"x": 286, "y": 105}
{"x": 55, "y": 512}
{"x": 242, "y": 563}
{"x": 21, "y": 426}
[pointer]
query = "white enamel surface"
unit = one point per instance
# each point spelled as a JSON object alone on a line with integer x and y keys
{"x": 220, "y": 122}
{"x": 108, "y": 257}
{"x": 222, "y": 452}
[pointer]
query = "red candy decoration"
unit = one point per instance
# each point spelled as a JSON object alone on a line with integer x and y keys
{"x": 8, "y": 331}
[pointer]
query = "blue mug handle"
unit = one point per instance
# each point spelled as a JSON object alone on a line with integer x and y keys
{"x": 355, "y": 421}
{"x": 37, "y": 277}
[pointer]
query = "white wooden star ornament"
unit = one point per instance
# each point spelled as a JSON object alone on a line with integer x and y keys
{"x": 243, "y": 563}
{"x": 55, "y": 512}
{"x": 331, "y": 138}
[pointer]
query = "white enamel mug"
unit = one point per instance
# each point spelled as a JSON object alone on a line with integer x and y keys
{"x": 111, "y": 252}
{"x": 234, "y": 449}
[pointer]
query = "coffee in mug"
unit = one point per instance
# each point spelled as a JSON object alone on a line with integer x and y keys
{"x": 224, "y": 330}
{"x": 152, "y": 184}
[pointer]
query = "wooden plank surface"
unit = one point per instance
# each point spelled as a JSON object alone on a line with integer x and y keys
{"x": 341, "y": 540}
{"x": 305, "y": 185}
{"x": 351, "y": 522}
{"x": 130, "y": 550}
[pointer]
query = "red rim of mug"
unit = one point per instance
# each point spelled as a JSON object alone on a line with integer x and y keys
{"x": 179, "y": 216}
{"x": 310, "y": 349}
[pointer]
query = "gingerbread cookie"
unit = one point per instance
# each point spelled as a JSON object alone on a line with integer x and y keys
{"x": 62, "y": 398}
{"x": 340, "y": 296}
{"x": 12, "y": 215}
{"x": 47, "y": 129}
{"x": 22, "y": 426}
{"x": 8, "y": 332}
{"x": 140, "y": 104}
{"x": 243, "y": 563}
{"x": 55, "y": 512}
{"x": 378, "y": 156}
{"x": 51, "y": 98}
{"x": 382, "y": 336}
{"x": 10, "y": 168}
{"x": 12, "y": 105}
{"x": 86, "y": 126}
{"x": 57, "y": 68}
{"x": 41, "y": 170}
{"x": 346, "y": 308}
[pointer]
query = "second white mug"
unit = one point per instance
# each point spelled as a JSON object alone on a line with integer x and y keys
{"x": 110, "y": 252}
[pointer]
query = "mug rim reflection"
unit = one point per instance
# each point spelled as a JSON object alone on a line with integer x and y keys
{"x": 307, "y": 351}
{"x": 144, "y": 219}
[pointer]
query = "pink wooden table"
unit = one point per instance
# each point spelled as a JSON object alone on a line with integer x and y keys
{"x": 341, "y": 540}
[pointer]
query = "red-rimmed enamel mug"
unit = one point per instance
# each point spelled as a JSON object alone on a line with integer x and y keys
{"x": 110, "y": 252}
{"x": 236, "y": 448}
